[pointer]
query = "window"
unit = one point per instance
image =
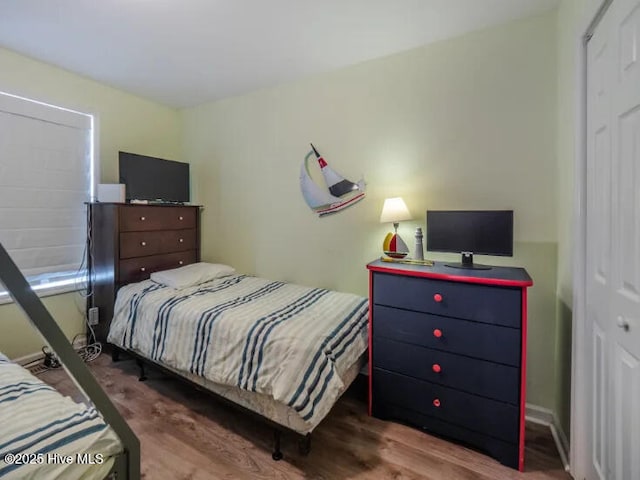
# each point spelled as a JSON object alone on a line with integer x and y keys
{"x": 46, "y": 176}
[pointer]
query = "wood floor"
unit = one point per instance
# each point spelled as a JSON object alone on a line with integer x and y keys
{"x": 185, "y": 434}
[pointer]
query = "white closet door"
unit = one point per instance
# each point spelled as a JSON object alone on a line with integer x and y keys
{"x": 625, "y": 294}
{"x": 613, "y": 241}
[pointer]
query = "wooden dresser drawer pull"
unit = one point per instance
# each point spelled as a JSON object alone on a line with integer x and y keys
{"x": 437, "y": 333}
{"x": 143, "y": 218}
{"x": 181, "y": 240}
{"x": 142, "y": 269}
{"x": 436, "y": 402}
{"x": 437, "y": 297}
{"x": 144, "y": 244}
{"x": 436, "y": 368}
{"x": 180, "y": 262}
{"x": 180, "y": 218}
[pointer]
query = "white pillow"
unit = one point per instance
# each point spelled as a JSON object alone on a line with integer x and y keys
{"x": 191, "y": 275}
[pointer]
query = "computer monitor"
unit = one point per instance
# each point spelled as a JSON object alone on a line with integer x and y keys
{"x": 484, "y": 232}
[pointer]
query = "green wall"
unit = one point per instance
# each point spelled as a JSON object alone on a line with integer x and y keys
{"x": 566, "y": 24}
{"x": 464, "y": 123}
{"x": 124, "y": 122}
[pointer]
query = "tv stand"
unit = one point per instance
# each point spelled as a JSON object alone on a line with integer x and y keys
{"x": 467, "y": 263}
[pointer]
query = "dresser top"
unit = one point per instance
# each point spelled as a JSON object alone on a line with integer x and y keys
{"x": 503, "y": 276}
{"x": 121, "y": 204}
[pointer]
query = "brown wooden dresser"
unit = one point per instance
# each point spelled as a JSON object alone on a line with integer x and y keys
{"x": 129, "y": 242}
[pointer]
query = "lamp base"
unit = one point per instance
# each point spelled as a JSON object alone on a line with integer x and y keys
{"x": 394, "y": 246}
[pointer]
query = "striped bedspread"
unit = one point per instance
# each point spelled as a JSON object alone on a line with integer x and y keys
{"x": 290, "y": 342}
{"x": 44, "y": 435}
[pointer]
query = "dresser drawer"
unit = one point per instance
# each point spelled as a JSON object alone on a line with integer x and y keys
{"x": 143, "y": 218}
{"x": 479, "y": 377}
{"x": 482, "y": 415}
{"x": 482, "y": 303}
{"x": 473, "y": 339}
{"x": 139, "y": 268}
{"x": 506, "y": 453}
{"x": 140, "y": 244}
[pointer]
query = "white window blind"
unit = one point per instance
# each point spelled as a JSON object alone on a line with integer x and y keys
{"x": 45, "y": 178}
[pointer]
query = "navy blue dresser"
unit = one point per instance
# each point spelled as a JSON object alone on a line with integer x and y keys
{"x": 448, "y": 353}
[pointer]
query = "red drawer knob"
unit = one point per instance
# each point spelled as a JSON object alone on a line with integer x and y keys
{"x": 437, "y": 297}
{"x": 436, "y": 402}
{"x": 436, "y": 368}
{"x": 437, "y": 333}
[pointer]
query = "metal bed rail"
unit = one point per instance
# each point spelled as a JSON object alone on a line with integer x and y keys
{"x": 26, "y": 298}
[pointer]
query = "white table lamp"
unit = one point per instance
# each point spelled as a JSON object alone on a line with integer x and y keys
{"x": 394, "y": 211}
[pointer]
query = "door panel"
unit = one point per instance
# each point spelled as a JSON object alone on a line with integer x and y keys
{"x": 601, "y": 227}
{"x": 599, "y": 411}
{"x": 601, "y": 191}
{"x": 629, "y": 29}
{"x": 628, "y": 246}
{"x": 598, "y": 169}
{"x": 627, "y": 414}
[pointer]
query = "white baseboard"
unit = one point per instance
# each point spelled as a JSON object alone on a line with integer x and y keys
{"x": 562, "y": 443}
{"x": 27, "y": 359}
{"x": 37, "y": 356}
{"x": 547, "y": 417}
{"x": 539, "y": 415}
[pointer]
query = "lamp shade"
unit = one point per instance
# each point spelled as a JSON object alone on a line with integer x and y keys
{"x": 394, "y": 210}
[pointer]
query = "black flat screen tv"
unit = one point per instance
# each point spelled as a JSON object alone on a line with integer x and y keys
{"x": 484, "y": 232}
{"x": 154, "y": 179}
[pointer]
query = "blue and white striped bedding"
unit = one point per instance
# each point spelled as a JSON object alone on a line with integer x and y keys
{"x": 54, "y": 436}
{"x": 290, "y": 342}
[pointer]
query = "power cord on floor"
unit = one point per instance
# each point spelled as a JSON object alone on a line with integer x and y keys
{"x": 87, "y": 353}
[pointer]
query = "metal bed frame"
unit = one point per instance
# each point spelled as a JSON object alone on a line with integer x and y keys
{"x": 127, "y": 464}
{"x": 303, "y": 440}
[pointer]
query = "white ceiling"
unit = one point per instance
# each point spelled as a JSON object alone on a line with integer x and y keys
{"x": 186, "y": 52}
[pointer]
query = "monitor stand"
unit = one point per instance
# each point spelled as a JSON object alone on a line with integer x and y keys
{"x": 467, "y": 263}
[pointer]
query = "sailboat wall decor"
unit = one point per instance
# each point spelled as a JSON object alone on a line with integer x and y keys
{"x": 339, "y": 193}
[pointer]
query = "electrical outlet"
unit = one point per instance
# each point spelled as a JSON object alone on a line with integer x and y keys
{"x": 93, "y": 316}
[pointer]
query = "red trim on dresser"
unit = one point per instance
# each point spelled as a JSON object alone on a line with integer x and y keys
{"x": 456, "y": 278}
{"x": 523, "y": 379}
{"x": 370, "y": 344}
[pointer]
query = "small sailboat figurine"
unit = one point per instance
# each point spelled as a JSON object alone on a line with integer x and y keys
{"x": 340, "y": 194}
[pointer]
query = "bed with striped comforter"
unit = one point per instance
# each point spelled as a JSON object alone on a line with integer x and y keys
{"x": 44, "y": 435}
{"x": 289, "y": 342}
